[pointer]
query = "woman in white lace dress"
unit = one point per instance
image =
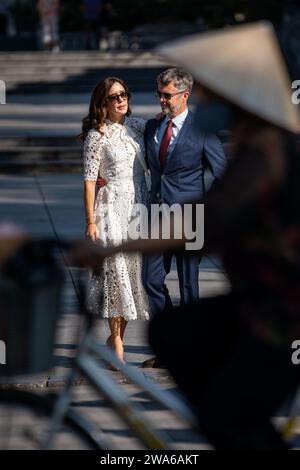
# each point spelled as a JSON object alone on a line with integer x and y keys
{"x": 114, "y": 149}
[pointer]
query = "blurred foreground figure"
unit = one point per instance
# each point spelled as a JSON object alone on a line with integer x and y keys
{"x": 231, "y": 354}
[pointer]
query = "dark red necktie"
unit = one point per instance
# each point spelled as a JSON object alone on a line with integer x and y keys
{"x": 163, "y": 149}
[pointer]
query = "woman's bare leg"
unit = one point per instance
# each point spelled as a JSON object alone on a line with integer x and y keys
{"x": 123, "y": 327}
{"x": 115, "y": 339}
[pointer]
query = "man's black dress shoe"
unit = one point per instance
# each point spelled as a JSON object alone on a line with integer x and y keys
{"x": 153, "y": 363}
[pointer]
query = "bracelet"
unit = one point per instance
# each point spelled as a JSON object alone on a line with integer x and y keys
{"x": 90, "y": 223}
{"x": 90, "y": 219}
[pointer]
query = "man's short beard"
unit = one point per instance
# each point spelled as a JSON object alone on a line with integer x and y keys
{"x": 169, "y": 109}
{"x": 173, "y": 109}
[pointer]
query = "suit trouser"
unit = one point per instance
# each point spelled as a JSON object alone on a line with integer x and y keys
{"x": 235, "y": 381}
{"x": 154, "y": 271}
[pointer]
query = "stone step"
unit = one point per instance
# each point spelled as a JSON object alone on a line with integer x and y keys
{"x": 70, "y": 87}
{"x": 34, "y": 155}
{"x": 23, "y": 152}
{"x": 36, "y": 73}
{"x": 41, "y": 166}
{"x": 62, "y": 55}
{"x": 28, "y": 154}
{"x": 84, "y": 77}
{"x": 138, "y": 80}
{"x": 76, "y": 72}
{"x": 77, "y": 63}
{"x": 81, "y": 62}
{"x": 7, "y": 142}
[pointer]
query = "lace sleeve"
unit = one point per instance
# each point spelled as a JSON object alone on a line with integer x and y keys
{"x": 138, "y": 124}
{"x": 92, "y": 151}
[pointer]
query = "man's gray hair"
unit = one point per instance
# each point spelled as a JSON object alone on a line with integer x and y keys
{"x": 181, "y": 79}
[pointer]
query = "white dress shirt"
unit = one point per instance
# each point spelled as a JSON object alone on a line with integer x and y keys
{"x": 178, "y": 122}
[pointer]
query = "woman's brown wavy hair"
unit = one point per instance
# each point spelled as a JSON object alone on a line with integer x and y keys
{"x": 97, "y": 111}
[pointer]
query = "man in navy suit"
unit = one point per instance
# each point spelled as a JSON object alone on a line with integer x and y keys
{"x": 177, "y": 155}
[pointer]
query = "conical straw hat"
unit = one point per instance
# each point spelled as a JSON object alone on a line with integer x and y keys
{"x": 244, "y": 65}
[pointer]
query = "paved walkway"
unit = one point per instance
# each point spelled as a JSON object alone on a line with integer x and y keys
{"x": 51, "y": 205}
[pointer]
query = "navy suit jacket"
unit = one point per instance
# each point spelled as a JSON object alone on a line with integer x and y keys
{"x": 182, "y": 179}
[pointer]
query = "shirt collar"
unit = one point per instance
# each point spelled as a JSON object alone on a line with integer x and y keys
{"x": 178, "y": 120}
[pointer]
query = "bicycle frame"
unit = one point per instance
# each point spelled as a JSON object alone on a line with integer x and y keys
{"x": 89, "y": 362}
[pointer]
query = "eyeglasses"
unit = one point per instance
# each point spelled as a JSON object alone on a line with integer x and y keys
{"x": 167, "y": 96}
{"x": 114, "y": 98}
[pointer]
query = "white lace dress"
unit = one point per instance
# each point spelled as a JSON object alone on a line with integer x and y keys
{"x": 115, "y": 156}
